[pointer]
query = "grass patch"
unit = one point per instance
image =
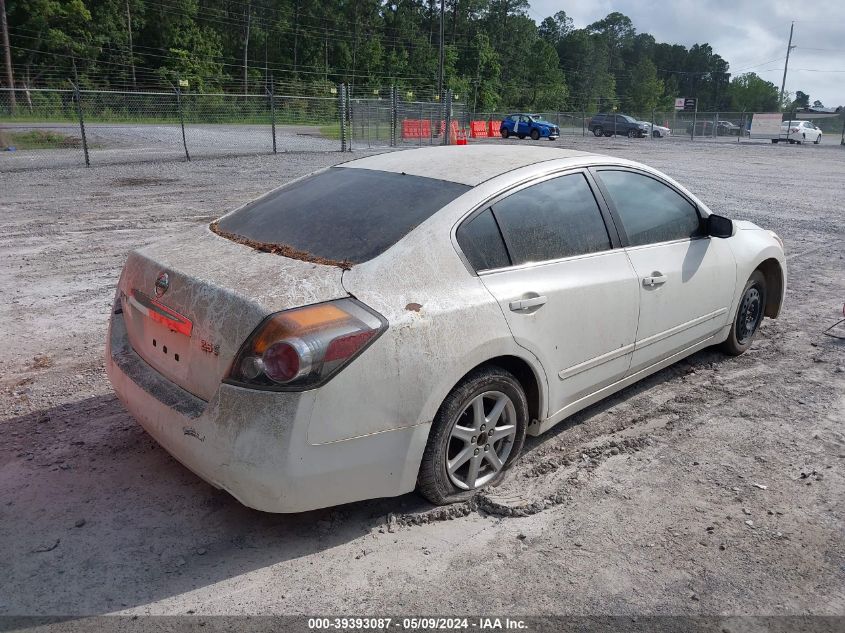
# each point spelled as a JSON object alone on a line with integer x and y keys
{"x": 38, "y": 139}
{"x": 331, "y": 131}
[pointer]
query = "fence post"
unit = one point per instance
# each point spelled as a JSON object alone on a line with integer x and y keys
{"x": 350, "y": 120}
{"x": 341, "y": 110}
{"x": 583, "y": 123}
{"x": 178, "y": 92}
{"x": 394, "y": 111}
{"x": 78, "y": 97}
{"x": 272, "y": 113}
{"x": 448, "y": 121}
{"x": 694, "y": 121}
{"x": 715, "y": 124}
{"x": 651, "y": 136}
{"x": 842, "y": 138}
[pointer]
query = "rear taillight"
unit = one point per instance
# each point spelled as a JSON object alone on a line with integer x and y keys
{"x": 304, "y": 347}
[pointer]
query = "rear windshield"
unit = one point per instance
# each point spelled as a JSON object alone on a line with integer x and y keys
{"x": 339, "y": 216}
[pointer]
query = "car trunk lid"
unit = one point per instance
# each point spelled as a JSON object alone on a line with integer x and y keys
{"x": 191, "y": 301}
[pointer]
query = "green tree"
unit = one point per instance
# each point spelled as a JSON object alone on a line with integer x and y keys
{"x": 554, "y": 28}
{"x": 802, "y": 100}
{"x": 751, "y": 93}
{"x": 645, "y": 90}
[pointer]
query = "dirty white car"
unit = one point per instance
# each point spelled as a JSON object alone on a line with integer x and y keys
{"x": 403, "y": 320}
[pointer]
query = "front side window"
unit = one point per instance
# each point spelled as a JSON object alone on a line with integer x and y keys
{"x": 550, "y": 220}
{"x": 650, "y": 211}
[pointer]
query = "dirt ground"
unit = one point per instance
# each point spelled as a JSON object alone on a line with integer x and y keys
{"x": 713, "y": 487}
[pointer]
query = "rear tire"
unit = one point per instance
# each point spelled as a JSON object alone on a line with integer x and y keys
{"x": 504, "y": 132}
{"x": 749, "y": 315}
{"x": 473, "y": 404}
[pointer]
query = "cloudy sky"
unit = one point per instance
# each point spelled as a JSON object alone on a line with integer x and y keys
{"x": 750, "y": 34}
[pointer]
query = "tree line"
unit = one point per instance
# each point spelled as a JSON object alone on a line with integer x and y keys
{"x": 496, "y": 55}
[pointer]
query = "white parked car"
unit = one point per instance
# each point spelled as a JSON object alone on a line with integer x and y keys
{"x": 656, "y": 131}
{"x": 402, "y": 321}
{"x": 800, "y": 132}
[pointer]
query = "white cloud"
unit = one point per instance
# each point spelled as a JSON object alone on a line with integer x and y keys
{"x": 746, "y": 33}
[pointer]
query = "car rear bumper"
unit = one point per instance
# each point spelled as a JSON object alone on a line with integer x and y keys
{"x": 254, "y": 444}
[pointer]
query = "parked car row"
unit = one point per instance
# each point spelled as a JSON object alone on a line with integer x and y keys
{"x": 607, "y": 125}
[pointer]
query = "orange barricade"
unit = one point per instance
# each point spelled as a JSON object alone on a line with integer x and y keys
{"x": 478, "y": 129}
{"x": 461, "y": 138}
{"x": 416, "y": 128}
{"x": 494, "y": 129}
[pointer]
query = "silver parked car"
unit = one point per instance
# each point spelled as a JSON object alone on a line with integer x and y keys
{"x": 403, "y": 320}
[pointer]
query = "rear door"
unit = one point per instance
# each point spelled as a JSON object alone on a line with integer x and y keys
{"x": 570, "y": 297}
{"x": 686, "y": 279}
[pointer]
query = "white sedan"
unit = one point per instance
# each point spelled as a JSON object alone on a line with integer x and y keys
{"x": 800, "y": 132}
{"x": 403, "y": 320}
{"x": 657, "y": 131}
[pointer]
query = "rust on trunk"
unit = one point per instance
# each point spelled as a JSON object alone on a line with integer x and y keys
{"x": 279, "y": 249}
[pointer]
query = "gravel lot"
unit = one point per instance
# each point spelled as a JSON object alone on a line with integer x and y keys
{"x": 714, "y": 487}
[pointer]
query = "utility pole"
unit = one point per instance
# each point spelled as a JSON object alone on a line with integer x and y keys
{"x": 789, "y": 48}
{"x": 131, "y": 53}
{"x": 440, "y": 66}
{"x": 7, "y": 51}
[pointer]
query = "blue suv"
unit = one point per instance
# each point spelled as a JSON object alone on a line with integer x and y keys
{"x": 522, "y": 125}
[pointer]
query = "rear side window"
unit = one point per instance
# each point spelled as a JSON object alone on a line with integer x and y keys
{"x": 650, "y": 211}
{"x": 342, "y": 214}
{"x": 553, "y": 219}
{"x": 482, "y": 243}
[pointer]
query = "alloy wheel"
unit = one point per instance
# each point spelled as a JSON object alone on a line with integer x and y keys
{"x": 481, "y": 440}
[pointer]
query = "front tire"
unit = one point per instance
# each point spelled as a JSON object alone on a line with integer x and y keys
{"x": 818, "y": 140}
{"x": 535, "y": 135}
{"x": 475, "y": 437}
{"x": 598, "y": 131}
{"x": 748, "y": 317}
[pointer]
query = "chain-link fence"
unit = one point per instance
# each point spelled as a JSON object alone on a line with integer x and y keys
{"x": 66, "y": 127}
{"x": 717, "y": 127}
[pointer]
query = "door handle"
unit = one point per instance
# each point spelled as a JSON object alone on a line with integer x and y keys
{"x": 656, "y": 279}
{"x": 524, "y": 304}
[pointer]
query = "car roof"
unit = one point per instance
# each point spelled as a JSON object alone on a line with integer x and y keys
{"x": 465, "y": 164}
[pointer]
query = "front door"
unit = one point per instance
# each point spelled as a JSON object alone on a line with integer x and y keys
{"x": 686, "y": 279}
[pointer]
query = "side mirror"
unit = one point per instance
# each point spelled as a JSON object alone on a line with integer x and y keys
{"x": 718, "y": 226}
